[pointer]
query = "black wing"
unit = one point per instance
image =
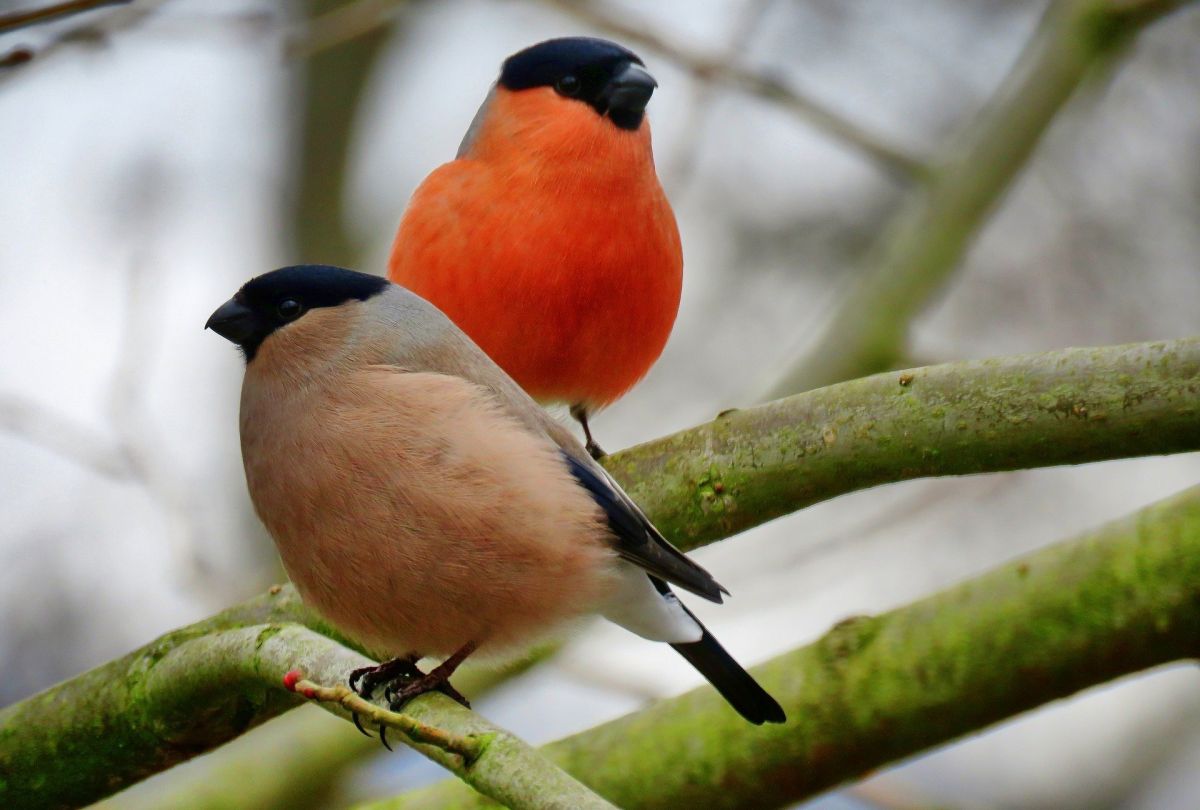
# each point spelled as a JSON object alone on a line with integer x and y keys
{"x": 637, "y": 539}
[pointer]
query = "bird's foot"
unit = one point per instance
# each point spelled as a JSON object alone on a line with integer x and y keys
{"x": 436, "y": 680}
{"x": 579, "y": 412}
{"x": 366, "y": 680}
{"x": 399, "y": 694}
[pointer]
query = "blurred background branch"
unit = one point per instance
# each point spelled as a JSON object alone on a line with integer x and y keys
{"x": 722, "y": 69}
{"x": 94, "y": 32}
{"x": 40, "y": 424}
{"x": 918, "y": 253}
{"x": 700, "y": 108}
{"x": 328, "y": 100}
{"x": 22, "y": 19}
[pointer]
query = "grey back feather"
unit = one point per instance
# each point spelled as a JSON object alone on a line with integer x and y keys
{"x": 421, "y": 338}
{"x": 476, "y": 123}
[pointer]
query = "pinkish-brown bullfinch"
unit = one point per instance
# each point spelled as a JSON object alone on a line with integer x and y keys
{"x": 426, "y": 505}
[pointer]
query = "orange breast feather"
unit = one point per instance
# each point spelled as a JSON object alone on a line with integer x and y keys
{"x": 552, "y": 245}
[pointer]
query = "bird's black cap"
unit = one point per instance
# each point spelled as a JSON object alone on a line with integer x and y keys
{"x": 611, "y": 79}
{"x": 273, "y": 299}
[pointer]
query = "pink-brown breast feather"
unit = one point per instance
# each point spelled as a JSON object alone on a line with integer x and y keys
{"x": 416, "y": 516}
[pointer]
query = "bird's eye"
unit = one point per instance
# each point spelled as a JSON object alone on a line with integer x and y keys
{"x": 568, "y": 85}
{"x": 289, "y": 309}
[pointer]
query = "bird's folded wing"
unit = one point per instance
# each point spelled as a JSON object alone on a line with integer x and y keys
{"x": 637, "y": 539}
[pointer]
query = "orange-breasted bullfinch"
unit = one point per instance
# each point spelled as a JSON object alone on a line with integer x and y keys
{"x": 425, "y": 504}
{"x": 549, "y": 239}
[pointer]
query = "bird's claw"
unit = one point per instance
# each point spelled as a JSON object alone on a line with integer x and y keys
{"x": 396, "y": 697}
{"x": 365, "y": 680}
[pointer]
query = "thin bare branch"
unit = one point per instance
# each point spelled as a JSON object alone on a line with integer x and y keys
{"x": 717, "y": 68}
{"x": 95, "y": 32}
{"x": 700, "y": 107}
{"x": 341, "y": 25}
{"x": 62, "y": 435}
{"x": 469, "y": 747}
{"x": 23, "y": 19}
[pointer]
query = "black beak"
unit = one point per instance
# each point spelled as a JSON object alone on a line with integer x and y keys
{"x": 233, "y": 321}
{"x": 628, "y": 94}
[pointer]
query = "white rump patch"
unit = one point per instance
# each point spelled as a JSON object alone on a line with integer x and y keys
{"x": 640, "y": 608}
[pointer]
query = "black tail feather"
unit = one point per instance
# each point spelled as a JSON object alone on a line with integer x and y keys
{"x": 735, "y": 684}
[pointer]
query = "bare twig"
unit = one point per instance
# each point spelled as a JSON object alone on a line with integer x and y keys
{"x": 62, "y": 435}
{"x": 717, "y": 68}
{"x": 340, "y": 25}
{"x": 145, "y": 453}
{"x": 469, "y": 746}
{"x": 93, "y": 33}
{"x": 23, "y": 19}
{"x": 700, "y": 108}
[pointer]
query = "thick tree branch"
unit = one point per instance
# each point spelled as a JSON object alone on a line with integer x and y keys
{"x": 926, "y": 241}
{"x": 201, "y": 687}
{"x": 1039, "y": 410}
{"x": 877, "y": 689}
{"x": 295, "y": 761}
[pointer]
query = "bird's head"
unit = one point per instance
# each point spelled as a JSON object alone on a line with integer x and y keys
{"x": 307, "y": 303}
{"x": 573, "y": 93}
{"x": 610, "y": 79}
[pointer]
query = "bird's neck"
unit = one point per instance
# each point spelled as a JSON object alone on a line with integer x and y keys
{"x": 564, "y": 148}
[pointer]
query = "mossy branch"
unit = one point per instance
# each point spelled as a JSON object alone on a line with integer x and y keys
{"x": 105, "y": 729}
{"x": 876, "y": 689}
{"x": 1038, "y": 410}
{"x": 927, "y": 239}
{"x": 198, "y": 688}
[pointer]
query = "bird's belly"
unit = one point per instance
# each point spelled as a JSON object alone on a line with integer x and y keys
{"x": 397, "y": 601}
{"x": 421, "y": 542}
